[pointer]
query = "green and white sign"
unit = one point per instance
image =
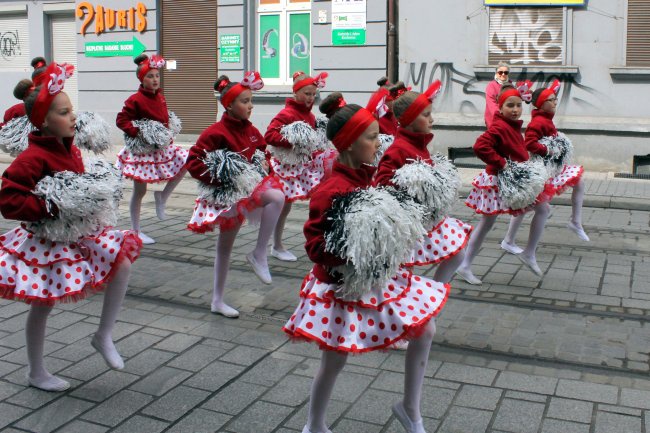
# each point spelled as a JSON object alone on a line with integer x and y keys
{"x": 299, "y": 43}
{"x": 348, "y": 22}
{"x": 132, "y": 48}
{"x": 229, "y": 49}
{"x": 269, "y": 43}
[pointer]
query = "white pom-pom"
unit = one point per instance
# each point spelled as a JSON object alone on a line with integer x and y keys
{"x": 322, "y": 143}
{"x": 521, "y": 182}
{"x": 237, "y": 177}
{"x": 385, "y": 140}
{"x": 93, "y": 133}
{"x": 433, "y": 185}
{"x": 175, "y": 124}
{"x": 86, "y": 202}
{"x": 153, "y": 136}
{"x": 374, "y": 229}
{"x": 560, "y": 153}
{"x": 304, "y": 143}
{"x": 14, "y": 135}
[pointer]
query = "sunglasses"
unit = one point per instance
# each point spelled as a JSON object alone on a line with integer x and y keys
{"x": 503, "y": 72}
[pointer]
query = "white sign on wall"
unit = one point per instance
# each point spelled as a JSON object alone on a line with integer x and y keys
{"x": 348, "y": 22}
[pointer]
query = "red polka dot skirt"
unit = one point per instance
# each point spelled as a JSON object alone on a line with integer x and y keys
{"x": 569, "y": 177}
{"x": 443, "y": 241}
{"x": 207, "y": 216}
{"x": 398, "y": 311}
{"x": 34, "y": 269}
{"x": 298, "y": 180}
{"x": 154, "y": 167}
{"x": 484, "y": 198}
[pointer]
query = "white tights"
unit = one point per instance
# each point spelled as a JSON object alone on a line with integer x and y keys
{"x": 139, "y": 191}
{"x": 279, "y": 228}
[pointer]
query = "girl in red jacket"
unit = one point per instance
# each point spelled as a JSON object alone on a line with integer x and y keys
{"x": 542, "y": 129}
{"x": 299, "y": 166}
{"x": 502, "y": 142}
{"x": 447, "y": 237}
{"x": 44, "y": 261}
{"x": 227, "y": 198}
{"x": 404, "y": 308}
{"x": 141, "y": 159}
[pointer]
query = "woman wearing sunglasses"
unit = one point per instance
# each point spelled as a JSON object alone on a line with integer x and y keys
{"x": 493, "y": 89}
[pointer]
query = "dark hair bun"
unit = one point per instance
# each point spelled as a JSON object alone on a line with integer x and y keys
{"x": 536, "y": 95}
{"x": 38, "y": 62}
{"x": 397, "y": 89}
{"x": 382, "y": 81}
{"x": 141, "y": 58}
{"x": 331, "y": 104}
{"x": 23, "y": 88}
{"x": 221, "y": 83}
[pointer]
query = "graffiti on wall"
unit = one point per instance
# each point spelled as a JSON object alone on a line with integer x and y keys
{"x": 525, "y": 36}
{"x": 9, "y": 45}
{"x": 465, "y": 94}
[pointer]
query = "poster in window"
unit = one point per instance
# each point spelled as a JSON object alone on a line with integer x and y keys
{"x": 269, "y": 43}
{"x": 299, "y": 43}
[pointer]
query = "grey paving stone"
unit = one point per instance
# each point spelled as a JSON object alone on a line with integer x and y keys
{"x": 526, "y": 383}
{"x": 587, "y": 391}
{"x": 72, "y": 333}
{"x": 200, "y": 421}
{"x": 635, "y": 398}
{"x": 430, "y": 425}
{"x": 235, "y": 398}
{"x": 557, "y": 426}
{"x": 31, "y": 397}
{"x": 466, "y": 374}
{"x": 519, "y": 416}
{"x": 11, "y": 413}
{"x": 214, "y": 376}
{"x": 178, "y": 342}
{"x": 176, "y": 403}
{"x": 373, "y": 406}
{"x": 244, "y": 355}
{"x": 141, "y": 424}
{"x": 479, "y": 397}
{"x": 117, "y": 408}
{"x": 620, "y": 409}
{"x": 8, "y": 389}
{"x": 464, "y": 420}
{"x": 614, "y": 423}
{"x": 270, "y": 370}
{"x": 261, "y": 417}
{"x": 83, "y": 427}
{"x": 291, "y": 391}
{"x": 350, "y": 425}
{"x": 147, "y": 361}
{"x": 349, "y": 386}
{"x": 160, "y": 381}
{"x": 334, "y": 411}
{"x": 87, "y": 368}
{"x": 217, "y": 330}
{"x": 263, "y": 340}
{"x": 104, "y": 386}
{"x": 197, "y": 357}
{"x": 54, "y": 415}
{"x": 76, "y": 351}
{"x": 136, "y": 343}
{"x": 176, "y": 324}
{"x": 518, "y": 395}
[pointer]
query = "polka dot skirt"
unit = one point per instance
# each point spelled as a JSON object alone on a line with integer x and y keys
{"x": 376, "y": 321}
{"x": 34, "y": 269}
{"x": 207, "y": 216}
{"x": 444, "y": 240}
{"x": 298, "y": 180}
{"x": 159, "y": 166}
{"x": 570, "y": 176}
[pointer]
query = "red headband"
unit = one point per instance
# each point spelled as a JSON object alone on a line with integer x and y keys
{"x": 421, "y": 102}
{"x": 252, "y": 80}
{"x": 352, "y": 129}
{"x": 153, "y": 62}
{"x": 546, "y": 93}
{"x": 52, "y": 82}
{"x": 377, "y": 102}
{"x": 508, "y": 93}
{"x": 318, "y": 81}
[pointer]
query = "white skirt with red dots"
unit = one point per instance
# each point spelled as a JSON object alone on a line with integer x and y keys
{"x": 442, "y": 242}
{"x": 569, "y": 177}
{"x": 381, "y": 318}
{"x": 207, "y": 216}
{"x": 485, "y": 199}
{"x": 299, "y": 180}
{"x": 160, "y": 166}
{"x": 38, "y": 270}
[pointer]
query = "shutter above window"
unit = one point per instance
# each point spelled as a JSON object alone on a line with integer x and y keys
{"x": 526, "y": 35}
{"x": 14, "y": 42}
{"x": 638, "y": 33}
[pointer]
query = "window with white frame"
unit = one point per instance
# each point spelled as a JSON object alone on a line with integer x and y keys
{"x": 527, "y": 36}
{"x": 283, "y": 39}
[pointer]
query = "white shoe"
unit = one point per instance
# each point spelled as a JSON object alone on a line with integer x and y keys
{"x": 403, "y": 418}
{"x": 306, "y": 430}
{"x": 400, "y": 345}
{"x": 511, "y": 248}
{"x": 531, "y": 263}
{"x": 160, "y": 205}
{"x": 467, "y": 275}
{"x": 146, "y": 240}
{"x": 285, "y": 256}
{"x": 50, "y": 383}
{"x": 224, "y": 310}
{"x": 262, "y": 273}
{"x": 109, "y": 353}
{"x": 579, "y": 231}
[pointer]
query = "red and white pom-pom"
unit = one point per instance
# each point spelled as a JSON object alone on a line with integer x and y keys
{"x": 57, "y": 78}
{"x": 433, "y": 90}
{"x": 252, "y": 80}
{"x": 319, "y": 80}
{"x": 555, "y": 86}
{"x": 156, "y": 62}
{"x": 524, "y": 90}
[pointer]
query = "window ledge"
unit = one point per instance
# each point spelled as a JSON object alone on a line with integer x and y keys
{"x": 629, "y": 73}
{"x": 483, "y": 71}
{"x": 274, "y": 93}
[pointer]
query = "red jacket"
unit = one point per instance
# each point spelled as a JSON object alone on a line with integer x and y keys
{"x": 228, "y": 133}
{"x": 502, "y": 140}
{"x": 491, "y": 105}
{"x": 407, "y": 146}
{"x": 292, "y": 112}
{"x": 142, "y": 105}
{"x": 44, "y": 156}
{"x": 388, "y": 124}
{"x": 14, "y": 112}
{"x": 342, "y": 180}
{"x": 541, "y": 125}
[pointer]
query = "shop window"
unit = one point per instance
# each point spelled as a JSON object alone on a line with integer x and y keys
{"x": 283, "y": 39}
{"x": 527, "y": 36}
{"x": 638, "y": 33}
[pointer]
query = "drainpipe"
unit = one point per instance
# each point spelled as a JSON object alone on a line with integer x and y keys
{"x": 391, "y": 44}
